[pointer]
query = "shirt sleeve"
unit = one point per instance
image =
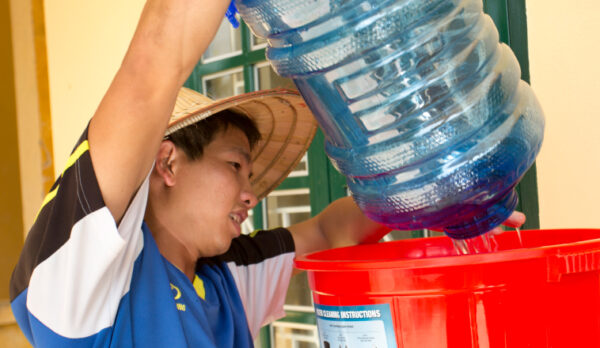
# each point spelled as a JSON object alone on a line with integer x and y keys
{"x": 261, "y": 265}
{"x": 76, "y": 263}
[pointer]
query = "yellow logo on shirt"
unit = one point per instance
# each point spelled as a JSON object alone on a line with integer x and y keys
{"x": 177, "y": 296}
{"x": 199, "y": 287}
{"x": 177, "y": 292}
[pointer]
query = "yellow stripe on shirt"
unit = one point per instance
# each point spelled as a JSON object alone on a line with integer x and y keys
{"x": 48, "y": 198}
{"x": 80, "y": 150}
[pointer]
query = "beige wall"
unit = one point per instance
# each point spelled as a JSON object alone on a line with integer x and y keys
{"x": 564, "y": 46}
{"x": 86, "y": 42}
{"x": 11, "y": 214}
{"x": 27, "y": 106}
{"x": 11, "y": 198}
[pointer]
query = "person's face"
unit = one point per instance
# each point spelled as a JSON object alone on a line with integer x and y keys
{"x": 217, "y": 193}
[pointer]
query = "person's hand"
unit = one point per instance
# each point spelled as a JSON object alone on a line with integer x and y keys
{"x": 515, "y": 220}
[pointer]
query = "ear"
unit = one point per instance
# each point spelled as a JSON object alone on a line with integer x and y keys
{"x": 166, "y": 159}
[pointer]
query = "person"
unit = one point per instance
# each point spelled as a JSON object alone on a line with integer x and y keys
{"x": 139, "y": 241}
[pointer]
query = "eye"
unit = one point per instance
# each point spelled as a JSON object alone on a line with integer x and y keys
{"x": 236, "y": 165}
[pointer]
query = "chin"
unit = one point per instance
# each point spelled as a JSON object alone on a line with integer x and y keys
{"x": 223, "y": 247}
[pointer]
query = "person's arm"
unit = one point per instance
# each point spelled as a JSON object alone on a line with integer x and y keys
{"x": 76, "y": 263}
{"x": 129, "y": 124}
{"x": 340, "y": 224}
{"x": 343, "y": 224}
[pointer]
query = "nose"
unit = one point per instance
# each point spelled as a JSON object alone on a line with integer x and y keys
{"x": 248, "y": 196}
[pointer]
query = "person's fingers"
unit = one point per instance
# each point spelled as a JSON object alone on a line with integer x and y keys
{"x": 515, "y": 220}
{"x": 496, "y": 230}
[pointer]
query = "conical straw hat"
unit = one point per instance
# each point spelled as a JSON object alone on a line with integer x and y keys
{"x": 285, "y": 123}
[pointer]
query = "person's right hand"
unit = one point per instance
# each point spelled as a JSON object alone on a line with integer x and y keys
{"x": 515, "y": 220}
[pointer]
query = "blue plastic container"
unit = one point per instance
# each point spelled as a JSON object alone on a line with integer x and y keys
{"x": 423, "y": 109}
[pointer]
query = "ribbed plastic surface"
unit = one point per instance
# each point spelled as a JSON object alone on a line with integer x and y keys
{"x": 423, "y": 109}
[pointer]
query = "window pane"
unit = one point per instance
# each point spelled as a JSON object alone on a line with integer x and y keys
{"x": 258, "y": 42}
{"x": 224, "y": 84}
{"x": 288, "y": 335}
{"x": 266, "y": 78}
{"x": 287, "y": 207}
{"x": 301, "y": 168}
{"x": 299, "y": 292}
{"x": 248, "y": 224}
{"x": 227, "y": 42}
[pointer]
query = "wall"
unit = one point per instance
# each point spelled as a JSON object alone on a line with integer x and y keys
{"x": 11, "y": 209}
{"x": 86, "y": 44}
{"x": 11, "y": 217}
{"x": 564, "y": 45}
{"x": 28, "y": 110}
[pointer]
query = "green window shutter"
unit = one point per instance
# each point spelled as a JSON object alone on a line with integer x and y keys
{"x": 511, "y": 21}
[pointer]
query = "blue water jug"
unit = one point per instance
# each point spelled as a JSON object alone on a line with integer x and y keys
{"x": 422, "y": 108}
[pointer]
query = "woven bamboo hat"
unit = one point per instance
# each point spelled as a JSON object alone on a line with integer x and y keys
{"x": 285, "y": 123}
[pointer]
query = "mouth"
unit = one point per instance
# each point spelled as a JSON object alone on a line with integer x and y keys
{"x": 236, "y": 218}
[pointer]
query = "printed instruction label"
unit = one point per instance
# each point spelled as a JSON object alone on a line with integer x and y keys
{"x": 355, "y": 326}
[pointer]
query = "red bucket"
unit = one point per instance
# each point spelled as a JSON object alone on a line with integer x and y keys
{"x": 419, "y": 294}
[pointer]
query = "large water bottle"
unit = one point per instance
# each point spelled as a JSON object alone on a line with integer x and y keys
{"x": 422, "y": 108}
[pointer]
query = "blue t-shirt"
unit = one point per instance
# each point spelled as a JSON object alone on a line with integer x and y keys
{"x": 82, "y": 280}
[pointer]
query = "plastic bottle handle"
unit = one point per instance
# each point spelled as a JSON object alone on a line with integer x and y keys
{"x": 231, "y": 15}
{"x": 559, "y": 265}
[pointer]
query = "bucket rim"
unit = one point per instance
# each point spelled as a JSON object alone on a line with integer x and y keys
{"x": 312, "y": 262}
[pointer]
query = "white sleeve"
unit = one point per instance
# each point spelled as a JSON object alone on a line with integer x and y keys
{"x": 77, "y": 264}
{"x": 262, "y": 268}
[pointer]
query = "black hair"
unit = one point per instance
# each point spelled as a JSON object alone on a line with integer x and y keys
{"x": 193, "y": 138}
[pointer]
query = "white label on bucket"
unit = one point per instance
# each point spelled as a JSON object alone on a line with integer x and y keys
{"x": 355, "y": 326}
